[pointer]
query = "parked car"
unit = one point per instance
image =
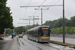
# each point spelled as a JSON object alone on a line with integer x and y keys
{"x": 20, "y": 36}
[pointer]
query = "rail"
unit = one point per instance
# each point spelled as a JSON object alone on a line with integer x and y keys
{"x": 34, "y": 45}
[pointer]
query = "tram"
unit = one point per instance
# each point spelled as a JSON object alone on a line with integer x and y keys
{"x": 39, "y": 34}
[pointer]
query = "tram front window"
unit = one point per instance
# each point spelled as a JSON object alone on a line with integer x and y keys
{"x": 45, "y": 32}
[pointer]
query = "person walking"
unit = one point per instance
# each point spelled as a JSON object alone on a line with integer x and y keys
{"x": 13, "y": 34}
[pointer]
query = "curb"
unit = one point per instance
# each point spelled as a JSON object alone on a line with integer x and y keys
{"x": 63, "y": 44}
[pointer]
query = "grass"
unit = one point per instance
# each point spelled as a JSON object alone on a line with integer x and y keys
{"x": 61, "y": 43}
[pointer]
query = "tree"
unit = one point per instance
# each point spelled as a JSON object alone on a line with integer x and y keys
{"x": 72, "y": 30}
{"x": 57, "y": 23}
{"x": 67, "y": 29}
{"x": 9, "y": 31}
{"x": 20, "y": 29}
{"x": 5, "y": 16}
{"x": 73, "y": 21}
{"x": 50, "y": 23}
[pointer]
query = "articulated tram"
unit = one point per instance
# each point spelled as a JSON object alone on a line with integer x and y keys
{"x": 39, "y": 34}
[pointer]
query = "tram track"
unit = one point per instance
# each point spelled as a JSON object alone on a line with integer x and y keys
{"x": 23, "y": 46}
{"x": 33, "y": 45}
{"x": 47, "y": 44}
{"x": 56, "y": 47}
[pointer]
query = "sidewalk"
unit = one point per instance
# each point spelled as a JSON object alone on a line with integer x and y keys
{"x": 15, "y": 44}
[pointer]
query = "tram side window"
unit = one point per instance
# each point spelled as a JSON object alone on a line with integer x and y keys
{"x": 40, "y": 32}
{"x": 36, "y": 32}
{"x": 32, "y": 33}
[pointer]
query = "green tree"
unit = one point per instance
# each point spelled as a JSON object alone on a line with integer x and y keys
{"x": 73, "y": 21}
{"x": 72, "y": 30}
{"x": 9, "y": 31}
{"x": 20, "y": 29}
{"x": 58, "y": 23}
{"x": 5, "y": 16}
{"x": 67, "y": 29}
{"x": 50, "y": 23}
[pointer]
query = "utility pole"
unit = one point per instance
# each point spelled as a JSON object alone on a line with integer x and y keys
{"x": 34, "y": 18}
{"x": 41, "y": 14}
{"x": 63, "y": 24}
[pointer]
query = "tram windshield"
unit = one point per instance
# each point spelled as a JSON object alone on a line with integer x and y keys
{"x": 45, "y": 32}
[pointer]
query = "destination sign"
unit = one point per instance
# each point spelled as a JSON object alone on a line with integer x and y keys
{"x": 44, "y": 28}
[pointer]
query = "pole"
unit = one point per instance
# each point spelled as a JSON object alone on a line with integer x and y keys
{"x": 33, "y": 20}
{"x": 63, "y": 25}
{"x": 29, "y": 23}
{"x": 4, "y": 32}
{"x": 41, "y": 16}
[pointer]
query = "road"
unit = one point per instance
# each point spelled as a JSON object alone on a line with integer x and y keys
{"x": 5, "y": 44}
{"x": 26, "y": 44}
{"x": 60, "y": 39}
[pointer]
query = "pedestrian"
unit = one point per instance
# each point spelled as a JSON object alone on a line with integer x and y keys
{"x": 13, "y": 34}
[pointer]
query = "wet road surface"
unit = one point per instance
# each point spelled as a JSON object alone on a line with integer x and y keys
{"x": 26, "y": 44}
{"x": 5, "y": 44}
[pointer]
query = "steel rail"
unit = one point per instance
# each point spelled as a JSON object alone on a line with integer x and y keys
{"x": 51, "y": 46}
{"x": 21, "y": 43}
{"x": 33, "y": 45}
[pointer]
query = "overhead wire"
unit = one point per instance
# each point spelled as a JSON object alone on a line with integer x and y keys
{"x": 29, "y": 2}
{"x": 35, "y": 3}
{"x": 26, "y": 7}
{"x": 38, "y": 7}
{"x": 56, "y": 2}
{"x": 52, "y": 4}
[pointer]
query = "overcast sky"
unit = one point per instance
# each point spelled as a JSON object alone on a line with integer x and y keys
{"x": 53, "y": 13}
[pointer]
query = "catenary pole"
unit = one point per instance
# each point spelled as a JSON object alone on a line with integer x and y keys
{"x": 41, "y": 17}
{"x": 63, "y": 24}
{"x": 41, "y": 14}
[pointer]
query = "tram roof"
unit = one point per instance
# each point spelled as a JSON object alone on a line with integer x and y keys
{"x": 37, "y": 27}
